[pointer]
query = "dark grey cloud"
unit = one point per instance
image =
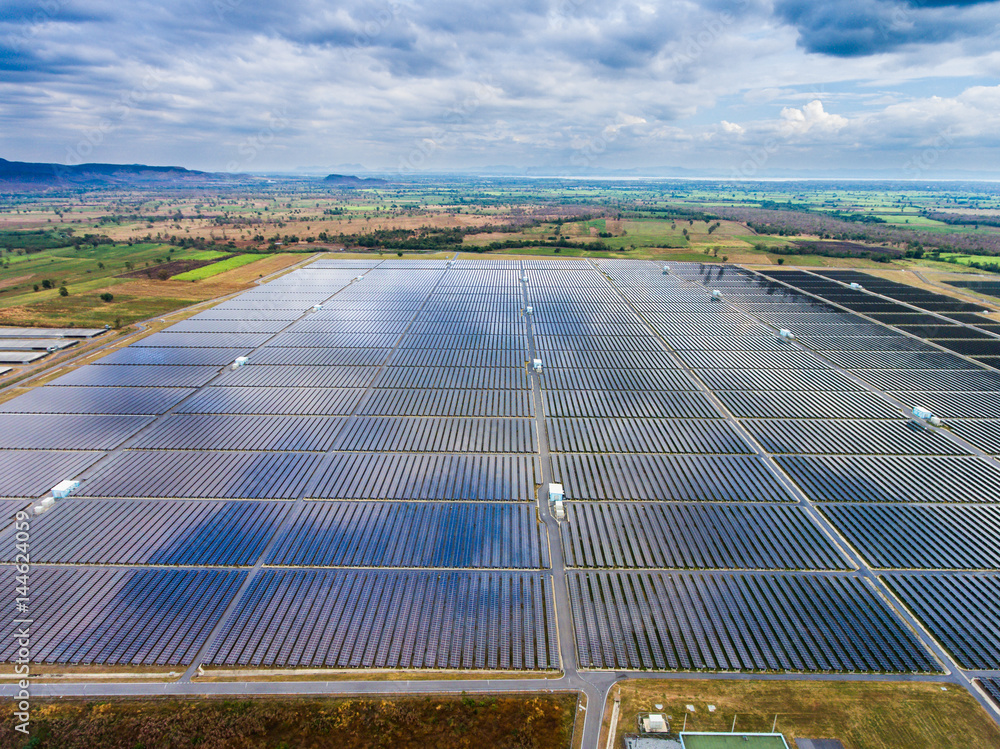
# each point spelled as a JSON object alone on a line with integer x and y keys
{"x": 852, "y": 28}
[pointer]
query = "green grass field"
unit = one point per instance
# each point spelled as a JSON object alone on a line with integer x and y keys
{"x": 963, "y": 259}
{"x": 207, "y": 271}
{"x": 732, "y": 741}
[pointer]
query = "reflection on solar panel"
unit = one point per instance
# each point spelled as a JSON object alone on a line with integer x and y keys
{"x": 162, "y": 473}
{"x": 395, "y": 534}
{"x": 962, "y": 612}
{"x": 208, "y": 357}
{"x": 729, "y": 622}
{"x": 96, "y": 400}
{"x": 138, "y": 376}
{"x": 242, "y": 432}
{"x": 393, "y": 619}
{"x": 67, "y": 431}
{"x": 95, "y": 531}
{"x": 690, "y": 536}
{"x": 108, "y": 616}
{"x": 496, "y": 478}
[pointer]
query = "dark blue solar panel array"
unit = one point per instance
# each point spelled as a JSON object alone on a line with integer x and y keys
{"x": 992, "y": 688}
{"x": 85, "y": 615}
{"x": 412, "y": 534}
{"x": 392, "y": 619}
{"x": 651, "y": 435}
{"x": 738, "y": 622}
{"x": 921, "y": 536}
{"x": 961, "y": 611}
{"x": 408, "y": 384}
{"x": 691, "y": 536}
{"x": 149, "y": 532}
{"x": 396, "y": 428}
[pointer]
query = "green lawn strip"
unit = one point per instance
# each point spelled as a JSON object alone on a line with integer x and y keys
{"x": 199, "y": 274}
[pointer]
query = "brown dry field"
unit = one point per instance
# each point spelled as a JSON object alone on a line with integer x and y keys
{"x": 142, "y": 298}
{"x": 417, "y": 722}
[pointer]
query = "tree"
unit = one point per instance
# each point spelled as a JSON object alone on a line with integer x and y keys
{"x": 63, "y": 291}
{"x": 781, "y": 261}
{"x": 107, "y": 297}
{"x": 36, "y": 287}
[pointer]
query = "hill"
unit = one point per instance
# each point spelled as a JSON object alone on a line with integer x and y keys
{"x": 39, "y": 175}
{"x": 349, "y": 180}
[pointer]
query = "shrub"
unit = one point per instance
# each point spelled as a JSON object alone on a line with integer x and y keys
{"x": 107, "y": 297}
{"x": 63, "y": 291}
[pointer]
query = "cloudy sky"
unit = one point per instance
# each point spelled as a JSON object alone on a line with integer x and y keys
{"x": 910, "y": 88}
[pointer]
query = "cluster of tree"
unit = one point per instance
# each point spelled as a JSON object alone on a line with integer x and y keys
{"x": 513, "y": 244}
{"x": 824, "y": 226}
{"x": 673, "y": 213}
{"x": 960, "y": 219}
{"x": 833, "y": 249}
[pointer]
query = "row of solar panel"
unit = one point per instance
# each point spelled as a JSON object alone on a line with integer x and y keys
{"x": 779, "y": 537}
{"x": 696, "y": 536}
{"x": 392, "y": 619}
{"x": 498, "y": 378}
{"x": 961, "y": 611}
{"x": 739, "y": 622}
{"x": 122, "y": 616}
{"x": 952, "y": 335}
{"x": 287, "y": 475}
{"x": 248, "y": 475}
{"x": 323, "y": 534}
{"x": 272, "y": 400}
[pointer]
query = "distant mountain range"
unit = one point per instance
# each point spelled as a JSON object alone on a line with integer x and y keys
{"x": 23, "y": 175}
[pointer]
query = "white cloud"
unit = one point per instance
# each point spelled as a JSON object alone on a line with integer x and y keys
{"x": 811, "y": 119}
